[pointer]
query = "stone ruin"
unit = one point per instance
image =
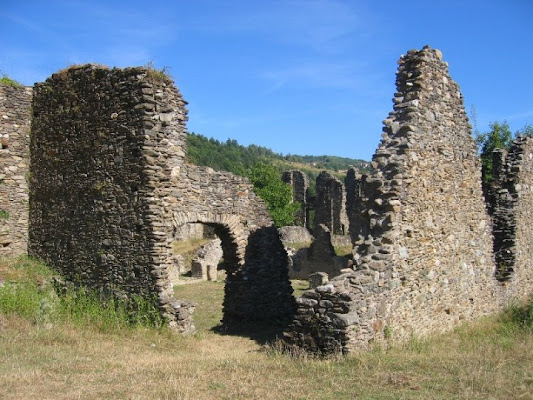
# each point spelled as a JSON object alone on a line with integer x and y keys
{"x": 109, "y": 189}
{"x": 330, "y": 209}
{"x": 300, "y": 186}
{"x": 205, "y": 264}
{"x": 423, "y": 254}
{"x": 15, "y": 117}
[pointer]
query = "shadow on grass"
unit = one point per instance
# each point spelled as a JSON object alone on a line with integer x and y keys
{"x": 262, "y": 332}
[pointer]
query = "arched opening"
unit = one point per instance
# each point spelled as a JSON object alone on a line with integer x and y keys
{"x": 256, "y": 291}
{"x": 204, "y": 250}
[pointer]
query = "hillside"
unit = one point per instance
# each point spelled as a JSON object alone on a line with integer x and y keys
{"x": 232, "y": 157}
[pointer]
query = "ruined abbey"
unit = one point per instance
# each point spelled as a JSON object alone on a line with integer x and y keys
{"x": 94, "y": 181}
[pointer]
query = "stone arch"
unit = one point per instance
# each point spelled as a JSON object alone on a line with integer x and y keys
{"x": 227, "y": 227}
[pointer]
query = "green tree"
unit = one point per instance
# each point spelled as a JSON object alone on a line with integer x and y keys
{"x": 276, "y": 193}
{"x": 499, "y": 137}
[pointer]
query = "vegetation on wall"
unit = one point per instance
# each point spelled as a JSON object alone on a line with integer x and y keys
{"x": 6, "y": 80}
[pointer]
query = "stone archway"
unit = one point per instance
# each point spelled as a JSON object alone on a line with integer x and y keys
{"x": 227, "y": 227}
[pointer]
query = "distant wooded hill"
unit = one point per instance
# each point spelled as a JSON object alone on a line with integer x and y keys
{"x": 232, "y": 157}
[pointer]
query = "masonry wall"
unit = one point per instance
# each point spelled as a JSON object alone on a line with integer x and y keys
{"x": 330, "y": 206}
{"x": 423, "y": 253}
{"x": 15, "y": 115}
{"x": 110, "y": 186}
{"x": 512, "y": 213}
{"x": 300, "y": 185}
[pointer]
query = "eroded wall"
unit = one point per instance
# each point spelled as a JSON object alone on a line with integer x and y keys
{"x": 300, "y": 185}
{"x": 15, "y": 115}
{"x": 330, "y": 205}
{"x": 423, "y": 245}
{"x": 110, "y": 186}
{"x": 512, "y": 212}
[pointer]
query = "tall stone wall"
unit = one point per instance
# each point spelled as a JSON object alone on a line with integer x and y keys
{"x": 15, "y": 115}
{"x": 423, "y": 251}
{"x": 300, "y": 185}
{"x": 109, "y": 185}
{"x": 330, "y": 206}
{"x": 512, "y": 213}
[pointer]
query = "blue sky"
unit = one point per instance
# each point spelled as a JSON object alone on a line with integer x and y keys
{"x": 298, "y": 76}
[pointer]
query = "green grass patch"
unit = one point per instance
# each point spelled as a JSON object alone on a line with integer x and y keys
{"x": 29, "y": 290}
{"x": 6, "y": 80}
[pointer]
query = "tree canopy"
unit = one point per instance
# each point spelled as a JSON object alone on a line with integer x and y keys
{"x": 498, "y": 137}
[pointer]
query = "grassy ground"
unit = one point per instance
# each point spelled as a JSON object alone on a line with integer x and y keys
{"x": 491, "y": 359}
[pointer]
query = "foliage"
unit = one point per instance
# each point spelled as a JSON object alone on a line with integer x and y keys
{"x": 521, "y": 315}
{"x": 487, "y": 359}
{"x": 499, "y": 137}
{"x": 6, "y": 80}
{"x": 158, "y": 74}
{"x": 232, "y": 157}
{"x": 29, "y": 292}
{"x": 276, "y": 194}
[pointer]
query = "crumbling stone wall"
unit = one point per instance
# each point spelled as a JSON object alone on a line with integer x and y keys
{"x": 109, "y": 185}
{"x": 15, "y": 114}
{"x": 423, "y": 248}
{"x": 300, "y": 185}
{"x": 205, "y": 263}
{"x": 330, "y": 206}
{"x": 512, "y": 213}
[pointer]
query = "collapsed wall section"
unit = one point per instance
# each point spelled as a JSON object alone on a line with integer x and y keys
{"x": 423, "y": 245}
{"x": 15, "y": 115}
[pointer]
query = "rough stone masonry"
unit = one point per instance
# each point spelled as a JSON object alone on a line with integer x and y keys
{"x": 110, "y": 188}
{"x": 15, "y": 115}
{"x": 422, "y": 236}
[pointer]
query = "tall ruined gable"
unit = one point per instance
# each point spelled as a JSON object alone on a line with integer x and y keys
{"x": 422, "y": 246}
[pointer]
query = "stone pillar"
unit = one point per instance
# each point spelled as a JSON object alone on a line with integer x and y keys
{"x": 330, "y": 208}
{"x": 299, "y": 183}
{"x": 15, "y": 114}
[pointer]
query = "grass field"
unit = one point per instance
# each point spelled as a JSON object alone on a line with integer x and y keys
{"x": 45, "y": 358}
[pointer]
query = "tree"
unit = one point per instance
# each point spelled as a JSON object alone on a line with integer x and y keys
{"x": 276, "y": 193}
{"x": 499, "y": 137}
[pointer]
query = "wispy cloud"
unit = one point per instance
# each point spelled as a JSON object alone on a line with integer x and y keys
{"x": 317, "y": 24}
{"x": 318, "y": 74}
{"x": 85, "y": 32}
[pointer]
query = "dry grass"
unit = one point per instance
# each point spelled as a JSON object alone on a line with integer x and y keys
{"x": 491, "y": 359}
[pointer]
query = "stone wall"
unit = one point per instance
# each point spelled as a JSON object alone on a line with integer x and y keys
{"x": 15, "y": 114}
{"x": 423, "y": 252}
{"x": 330, "y": 206}
{"x": 300, "y": 185}
{"x": 512, "y": 196}
{"x": 109, "y": 185}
